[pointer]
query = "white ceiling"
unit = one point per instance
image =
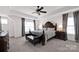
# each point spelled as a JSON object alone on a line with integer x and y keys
{"x": 26, "y": 11}
{"x": 30, "y": 9}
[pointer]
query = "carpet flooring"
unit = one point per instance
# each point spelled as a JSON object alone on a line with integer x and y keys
{"x": 54, "y": 45}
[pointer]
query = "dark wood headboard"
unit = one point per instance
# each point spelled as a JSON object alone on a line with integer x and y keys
{"x": 50, "y": 25}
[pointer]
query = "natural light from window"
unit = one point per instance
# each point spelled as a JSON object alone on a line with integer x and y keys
{"x": 29, "y": 25}
{"x": 70, "y": 26}
{"x": 4, "y": 21}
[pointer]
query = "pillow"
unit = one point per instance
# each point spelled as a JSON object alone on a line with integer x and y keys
{"x": 31, "y": 37}
{"x": 51, "y": 29}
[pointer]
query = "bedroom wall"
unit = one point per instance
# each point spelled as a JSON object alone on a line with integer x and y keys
{"x": 15, "y": 26}
{"x": 11, "y": 27}
{"x": 57, "y": 19}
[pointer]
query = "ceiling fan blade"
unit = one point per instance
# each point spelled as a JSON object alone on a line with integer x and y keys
{"x": 43, "y": 11}
{"x": 40, "y": 9}
{"x": 37, "y": 6}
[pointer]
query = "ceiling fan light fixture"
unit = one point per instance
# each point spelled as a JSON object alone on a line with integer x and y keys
{"x": 39, "y": 10}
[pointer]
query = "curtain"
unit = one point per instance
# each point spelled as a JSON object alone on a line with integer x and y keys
{"x": 76, "y": 24}
{"x": 23, "y": 26}
{"x": 34, "y": 24}
{"x": 65, "y": 18}
{"x": 0, "y": 24}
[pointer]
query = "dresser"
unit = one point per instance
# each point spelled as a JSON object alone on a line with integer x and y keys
{"x": 4, "y": 41}
{"x": 60, "y": 35}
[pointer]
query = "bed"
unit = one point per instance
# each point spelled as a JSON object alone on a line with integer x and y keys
{"x": 49, "y": 30}
{"x": 44, "y": 35}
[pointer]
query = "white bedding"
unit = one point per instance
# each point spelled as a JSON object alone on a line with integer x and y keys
{"x": 49, "y": 33}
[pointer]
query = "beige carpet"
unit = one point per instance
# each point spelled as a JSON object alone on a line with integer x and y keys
{"x": 55, "y": 45}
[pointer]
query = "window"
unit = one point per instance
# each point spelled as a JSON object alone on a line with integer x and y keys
{"x": 29, "y": 25}
{"x": 70, "y": 25}
{"x": 4, "y": 21}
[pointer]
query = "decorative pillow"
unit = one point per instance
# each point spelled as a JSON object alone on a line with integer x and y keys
{"x": 51, "y": 29}
{"x": 44, "y": 29}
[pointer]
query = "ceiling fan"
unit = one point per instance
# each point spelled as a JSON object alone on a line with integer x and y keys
{"x": 39, "y": 10}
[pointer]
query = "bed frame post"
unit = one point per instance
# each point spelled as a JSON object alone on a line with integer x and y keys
{"x": 43, "y": 38}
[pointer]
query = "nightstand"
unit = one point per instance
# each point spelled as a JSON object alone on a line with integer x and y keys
{"x": 60, "y": 35}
